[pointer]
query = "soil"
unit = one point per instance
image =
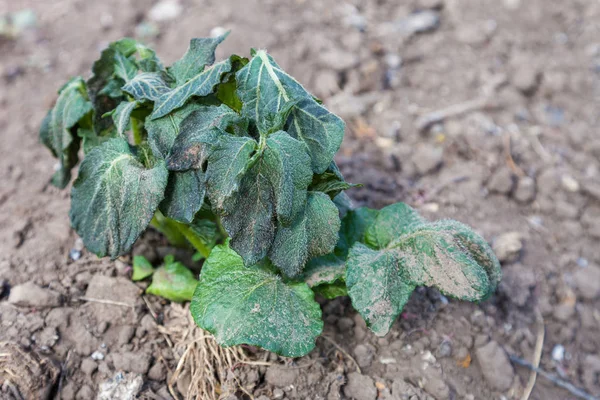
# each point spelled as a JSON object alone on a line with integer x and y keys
{"x": 512, "y": 148}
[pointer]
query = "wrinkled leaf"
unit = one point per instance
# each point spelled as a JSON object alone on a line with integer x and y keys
{"x": 376, "y": 286}
{"x": 122, "y": 116}
{"x": 314, "y": 233}
{"x": 390, "y": 223}
{"x": 251, "y": 305}
{"x": 173, "y": 281}
{"x": 184, "y": 195}
{"x": 331, "y": 182}
{"x": 163, "y": 131}
{"x": 147, "y": 86}
{"x": 124, "y": 67}
{"x": 327, "y": 269}
{"x": 56, "y": 130}
{"x": 114, "y": 198}
{"x": 353, "y": 228}
{"x": 200, "y": 53}
{"x": 202, "y": 84}
{"x": 198, "y": 135}
{"x": 265, "y": 89}
{"x": 142, "y": 268}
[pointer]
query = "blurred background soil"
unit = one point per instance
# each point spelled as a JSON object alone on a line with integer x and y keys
{"x": 484, "y": 111}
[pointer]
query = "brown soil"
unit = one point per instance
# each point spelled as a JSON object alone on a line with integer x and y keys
{"x": 520, "y": 163}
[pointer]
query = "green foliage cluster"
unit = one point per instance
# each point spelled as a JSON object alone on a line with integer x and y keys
{"x": 236, "y": 160}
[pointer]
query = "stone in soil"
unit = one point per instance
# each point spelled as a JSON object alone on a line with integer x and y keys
{"x": 508, "y": 246}
{"x": 495, "y": 366}
{"x": 136, "y": 362}
{"x": 281, "y": 377}
{"x": 120, "y": 386}
{"x": 364, "y": 353}
{"x": 502, "y": 181}
{"x": 525, "y": 190}
{"x": 360, "y": 387}
{"x": 526, "y": 79}
{"x": 427, "y": 159}
{"x": 31, "y": 295}
{"x": 587, "y": 281}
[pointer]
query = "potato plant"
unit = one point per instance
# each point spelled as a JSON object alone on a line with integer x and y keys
{"x": 236, "y": 160}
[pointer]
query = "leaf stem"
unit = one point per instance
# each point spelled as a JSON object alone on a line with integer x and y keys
{"x": 137, "y": 132}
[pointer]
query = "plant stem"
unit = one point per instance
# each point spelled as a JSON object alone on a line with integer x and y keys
{"x": 193, "y": 239}
{"x": 137, "y": 132}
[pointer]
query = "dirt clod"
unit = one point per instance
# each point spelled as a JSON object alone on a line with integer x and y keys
{"x": 360, "y": 387}
{"x": 495, "y": 366}
{"x": 31, "y": 295}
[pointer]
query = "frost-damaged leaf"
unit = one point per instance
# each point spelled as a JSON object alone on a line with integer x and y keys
{"x": 124, "y": 67}
{"x": 144, "y": 56}
{"x": 114, "y": 198}
{"x": 199, "y": 132}
{"x": 390, "y": 223}
{"x": 314, "y": 233}
{"x": 449, "y": 256}
{"x": 202, "y": 84}
{"x": 251, "y": 305}
{"x": 265, "y": 89}
{"x": 122, "y": 115}
{"x": 327, "y": 269}
{"x": 142, "y": 268}
{"x": 376, "y": 286}
{"x": 56, "y": 130}
{"x": 163, "y": 131}
{"x": 147, "y": 86}
{"x": 331, "y": 181}
{"x": 272, "y": 187}
{"x": 184, "y": 195}
{"x": 173, "y": 281}
{"x": 199, "y": 54}
{"x": 228, "y": 161}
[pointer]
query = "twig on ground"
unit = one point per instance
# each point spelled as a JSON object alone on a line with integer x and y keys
{"x": 537, "y": 355}
{"x": 109, "y": 302}
{"x": 509, "y": 159}
{"x": 155, "y": 318}
{"x": 487, "y": 100}
{"x": 344, "y": 352}
{"x": 554, "y": 379}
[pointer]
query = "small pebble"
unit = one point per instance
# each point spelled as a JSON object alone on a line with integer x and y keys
{"x": 558, "y": 352}
{"x": 98, "y": 356}
{"x": 75, "y": 254}
{"x": 569, "y": 183}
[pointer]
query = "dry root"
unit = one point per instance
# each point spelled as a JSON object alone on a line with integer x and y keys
{"x": 204, "y": 369}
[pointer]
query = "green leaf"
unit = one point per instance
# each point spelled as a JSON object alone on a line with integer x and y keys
{"x": 199, "y": 54}
{"x": 390, "y": 223}
{"x": 114, "y": 198}
{"x": 354, "y": 225}
{"x": 265, "y": 89}
{"x": 56, "y": 131}
{"x": 122, "y": 116}
{"x": 145, "y": 56}
{"x": 228, "y": 161}
{"x": 163, "y": 131}
{"x": 241, "y": 305}
{"x": 124, "y": 67}
{"x": 198, "y": 135}
{"x": 173, "y": 281}
{"x": 272, "y": 187}
{"x": 227, "y": 90}
{"x": 147, "y": 86}
{"x": 202, "y": 84}
{"x": 331, "y": 182}
{"x": 376, "y": 286}
{"x": 327, "y": 269}
{"x": 331, "y": 291}
{"x": 449, "y": 256}
{"x": 343, "y": 203}
{"x": 314, "y": 233}
{"x": 142, "y": 268}
{"x": 184, "y": 195}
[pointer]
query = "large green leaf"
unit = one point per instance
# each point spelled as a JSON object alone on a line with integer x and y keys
{"x": 449, "y": 256}
{"x": 228, "y": 161}
{"x": 163, "y": 131}
{"x": 115, "y": 197}
{"x": 56, "y": 131}
{"x": 173, "y": 281}
{"x": 407, "y": 251}
{"x": 314, "y": 233}
{"x": 199, "y": 135}
{"x": 251, "y": 305}
{"x": 272, "y": 189}
{"x": 184, "y": 195}
{"x": 376, "y": 286}
{"x": 265, "y": 89}
{"x": 147, "y": 86}
{"x": 199, "y": 54}
{"x": 202, "y": 84}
